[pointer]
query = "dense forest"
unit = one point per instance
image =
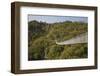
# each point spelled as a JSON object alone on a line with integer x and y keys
{"x": 42, "y": 39}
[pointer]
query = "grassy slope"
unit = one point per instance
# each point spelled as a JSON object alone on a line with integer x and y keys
{"x": 42, "y": 36}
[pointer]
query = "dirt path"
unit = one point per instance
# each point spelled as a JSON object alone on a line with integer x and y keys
{"x": 82, "y": 38}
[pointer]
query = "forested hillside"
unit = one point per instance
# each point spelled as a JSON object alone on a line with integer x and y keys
{"x": 42, "y": 39}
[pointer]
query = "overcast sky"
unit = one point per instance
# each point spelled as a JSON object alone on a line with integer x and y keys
{"x": 53, "y": 19}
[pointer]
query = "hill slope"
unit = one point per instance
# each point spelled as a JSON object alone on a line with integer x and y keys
{"x": 42, "y": 37}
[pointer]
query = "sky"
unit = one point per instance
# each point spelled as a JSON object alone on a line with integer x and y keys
{"x": 53, "y": 19}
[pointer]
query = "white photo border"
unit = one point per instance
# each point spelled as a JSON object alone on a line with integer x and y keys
{"x": 25, "y": 64}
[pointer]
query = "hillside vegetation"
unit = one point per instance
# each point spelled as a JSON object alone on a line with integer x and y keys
{"x": 42, "y": 39}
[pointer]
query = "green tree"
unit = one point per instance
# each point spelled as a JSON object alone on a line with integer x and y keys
{"x": 55, "y": 51}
